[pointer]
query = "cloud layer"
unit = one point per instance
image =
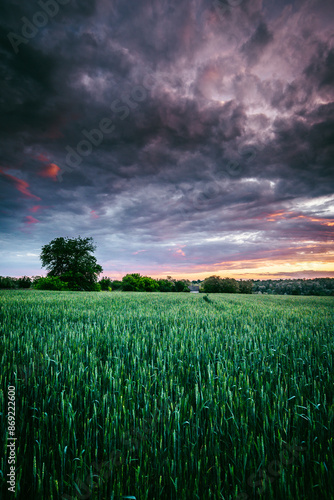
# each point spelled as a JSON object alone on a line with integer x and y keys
{"x": 185, "y": 137}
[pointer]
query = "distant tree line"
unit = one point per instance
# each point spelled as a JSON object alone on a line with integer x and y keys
{"x": 6, "y": 282}
{"x": 214, "y": 284}
{"x": 72, "y": 266}
{"x": 129, "y": 283}
{"x": 137, "y": 283}
{"x": 315, "y": 286}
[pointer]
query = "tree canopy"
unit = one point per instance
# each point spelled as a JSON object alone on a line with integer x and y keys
{"x": 315, "y": 286}
{"x": 137, "y": 283}
{"x": 72, "y": 261}
{"x": 215, "y": 284}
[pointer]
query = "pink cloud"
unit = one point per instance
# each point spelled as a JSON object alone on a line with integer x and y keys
{"x": 179, "y": 252}
{"x": 20, "y": 185}
{"x": 35, "y": 208}
{"x": 30, "y": 220}
{"x": 49, "y": 169}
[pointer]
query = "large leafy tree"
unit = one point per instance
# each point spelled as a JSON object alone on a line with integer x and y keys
{"x": 131, "y": 282}
{"x": 229, "y": 285}
{"x": 71, "y": 259}
{"x": 215, "y": 284}
{"x": 245, "y": 286}
{"x": 137, "y": 283}
{"x": 212, "y": 285}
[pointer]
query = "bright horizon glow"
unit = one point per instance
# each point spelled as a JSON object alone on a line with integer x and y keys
{"x": 185, "y": 142}
{"x": 257, "y": 271}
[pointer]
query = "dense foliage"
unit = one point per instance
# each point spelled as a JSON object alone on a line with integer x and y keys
{"x": 137, "y": 283}
{"x": 168, "y": 396}
{"x": 72, "y": 261}
{"x": 215, "y": 284}
{"x": 316, "y": 286}
{"x": 6, "y": 282}
{"x": 24, "y": 282}
{"x": 50, "y": 283}
{"x": 106, "y": 284}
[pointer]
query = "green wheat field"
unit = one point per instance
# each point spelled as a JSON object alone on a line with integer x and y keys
{"x": 153, "y": 396}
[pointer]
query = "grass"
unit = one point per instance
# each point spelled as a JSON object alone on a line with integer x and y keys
{"x": 168, "y": 396}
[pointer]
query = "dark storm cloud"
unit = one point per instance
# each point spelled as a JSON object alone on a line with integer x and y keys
{"x": 254, "y": 47}
{"x": 221, "y": 135}
{"x": 321, "y": 68}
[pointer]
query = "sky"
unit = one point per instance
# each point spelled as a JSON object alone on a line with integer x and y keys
{"x": 187, "y": 138}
